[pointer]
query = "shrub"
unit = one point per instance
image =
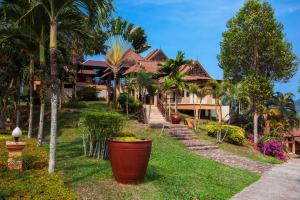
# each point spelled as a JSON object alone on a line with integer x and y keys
{"x": 88, "y": 94}
{"x": 133, "y": 104}
{"x": 235, "y": 134}
{"x": 74, "y": 102}
{"x": 272, "y": 148}
{"x": 34, "y": 182}
{"x": 5, "y": 132}
{"x": 97, "y": 128}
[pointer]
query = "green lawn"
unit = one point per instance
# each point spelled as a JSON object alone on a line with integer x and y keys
{"x": 246, "y": 151}
{"x": 173, "y": 171}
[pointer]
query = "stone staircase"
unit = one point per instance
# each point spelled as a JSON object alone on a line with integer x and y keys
{"x": 188, "y": 138}
{"x": 156, "y": 120}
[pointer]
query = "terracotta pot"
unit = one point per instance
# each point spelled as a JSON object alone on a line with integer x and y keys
{"x": 129, "y": 160}
{"x": 7, "y": 126}
{"x": 176, "y": 118}
{"x": 15, "y": 148}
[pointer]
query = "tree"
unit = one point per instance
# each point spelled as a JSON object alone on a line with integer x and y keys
{"x": 134, "y": 34}
{"x": 171, "y": 69}
{"x": 285, "y": 104}
{"x": 260, "y": 89}
{"x": 117, "y": 48}
{"x": 193, "y": 88}
{"x": 131, "y": 85}
{"x": 254, "y": 43}
{"x": 54, "y": 9}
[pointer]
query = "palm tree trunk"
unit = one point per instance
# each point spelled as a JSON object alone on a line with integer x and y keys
{"x": 115, "y": 91}
{"x": 42, "y": 93}
{"x": 31, "y": 80}
{"x": 41, "y": 125}
{"x": 18, "y": 104}
{"x": 194, "y": 107}
{"x": 149, "y": 110}
{"x": 176, "y": 102}
{"x": 255, "y": 126}
{"x": 54, "y": 95}
{"x": 127, "y": 97}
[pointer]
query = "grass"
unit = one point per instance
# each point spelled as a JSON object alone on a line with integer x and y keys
{"x": 246, "y": 151}
{"x": 173, "y": 172}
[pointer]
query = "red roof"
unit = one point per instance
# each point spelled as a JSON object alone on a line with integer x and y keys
{"x": 156, "y": 55}
{"x": 87, "y": 72}
{"x": 94, "y": 63}
{"x": 148, "y": 66}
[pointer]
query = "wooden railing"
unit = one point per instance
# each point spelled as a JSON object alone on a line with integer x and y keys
{"x": 162, "y": 108}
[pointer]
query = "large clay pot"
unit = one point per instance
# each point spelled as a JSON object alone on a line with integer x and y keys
{"x": 176, "y": 118}
{"x": 129, "y": 160}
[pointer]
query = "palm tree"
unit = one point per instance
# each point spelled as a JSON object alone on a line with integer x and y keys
{"x": 130, "y": 86}
{"x": 134, "y": 34}
{"x": 202, "y": 92}
{"x": 54, "y": 9}
{"x": 193, "y": 88}
{"x": 171, "y": 68}
{"x": 117, "y": 48}
{"x": 285, "y": 104}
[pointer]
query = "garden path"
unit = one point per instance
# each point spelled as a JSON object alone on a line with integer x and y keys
{"x": 281, "y": 182}
{"x": 211, "y": 151}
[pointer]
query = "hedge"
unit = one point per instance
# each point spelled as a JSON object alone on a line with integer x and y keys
{"x": 34, "y": 182}
{"x": 235, "y": 134}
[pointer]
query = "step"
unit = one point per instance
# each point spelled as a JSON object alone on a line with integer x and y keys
{"x": 199, "y": 148}
{"x": 184, "y": 137}
{"x": 194, "y": 143}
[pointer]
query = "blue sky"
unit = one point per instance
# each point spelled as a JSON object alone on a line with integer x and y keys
{"x": 196, "y": 26}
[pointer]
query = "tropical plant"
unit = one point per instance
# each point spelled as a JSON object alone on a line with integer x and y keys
{"x": 260, "y": 89}
{"x": 193, "y": 88}
{"x": 134, "y": 34}
{"x": 97, "y": 128}
{"x": 173, "y": 76}
{"x": 117, "y": 48}
{"x": 55, "y": 11}
{"x": 130, "y": 86}
{"x": 286, "y": 107}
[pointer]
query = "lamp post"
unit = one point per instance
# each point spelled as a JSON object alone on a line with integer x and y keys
{"x": 15, "y": 149}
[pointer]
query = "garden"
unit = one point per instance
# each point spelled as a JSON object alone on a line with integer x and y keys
{"x": 76, "y": 131}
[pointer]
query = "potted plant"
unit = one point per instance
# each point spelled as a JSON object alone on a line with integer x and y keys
{"x": 176, "y": 118}
{"x": 129, "y": 157}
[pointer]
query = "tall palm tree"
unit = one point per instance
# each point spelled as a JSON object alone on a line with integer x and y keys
{"x": 54, "y": 8}
{"x": 285, "y": 104}
{"x": 117, "y": 48}
{"x": 134, "y": 34}
{"x": 171, "y": 68}
{"x": 193, "y": 88}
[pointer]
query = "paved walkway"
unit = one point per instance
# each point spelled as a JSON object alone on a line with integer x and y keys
{"x": 280, "y": 183}
{"x": 211, "y": 151}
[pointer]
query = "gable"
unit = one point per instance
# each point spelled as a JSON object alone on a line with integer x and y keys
{"x": 198, "y": 70}
{"x": 156, "y": 55}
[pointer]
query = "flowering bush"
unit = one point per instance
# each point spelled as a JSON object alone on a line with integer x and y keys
{"x": 271, "y": 146}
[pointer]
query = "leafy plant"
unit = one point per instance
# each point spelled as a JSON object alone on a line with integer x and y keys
{"x": 231, "y": 134}
{"x": 133, "y": 104}
{"x": 97, "y": 127}
{"x": 88, "y": 94}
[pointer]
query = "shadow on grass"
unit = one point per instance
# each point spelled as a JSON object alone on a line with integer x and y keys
{"x": 152, "y": 174}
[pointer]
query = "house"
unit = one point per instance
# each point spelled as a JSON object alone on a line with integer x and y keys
{"x": 96, "y": 73}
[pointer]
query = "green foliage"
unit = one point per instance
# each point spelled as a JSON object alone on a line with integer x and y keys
{"x": 127, "y": 139}
{"x": 133, "y": 104}
{"x": 254, "y": 42}
{"x": 88, "y": 94}
{"x": 74, "y": 102}
{"x": 34, "y": 182}
{"x": 235, "y": 134}
{"x": 5, "y": 132}
{"x": 97, "y": 127}
{"x": 259, "y": 88}
{"x": 134, "y": 34}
